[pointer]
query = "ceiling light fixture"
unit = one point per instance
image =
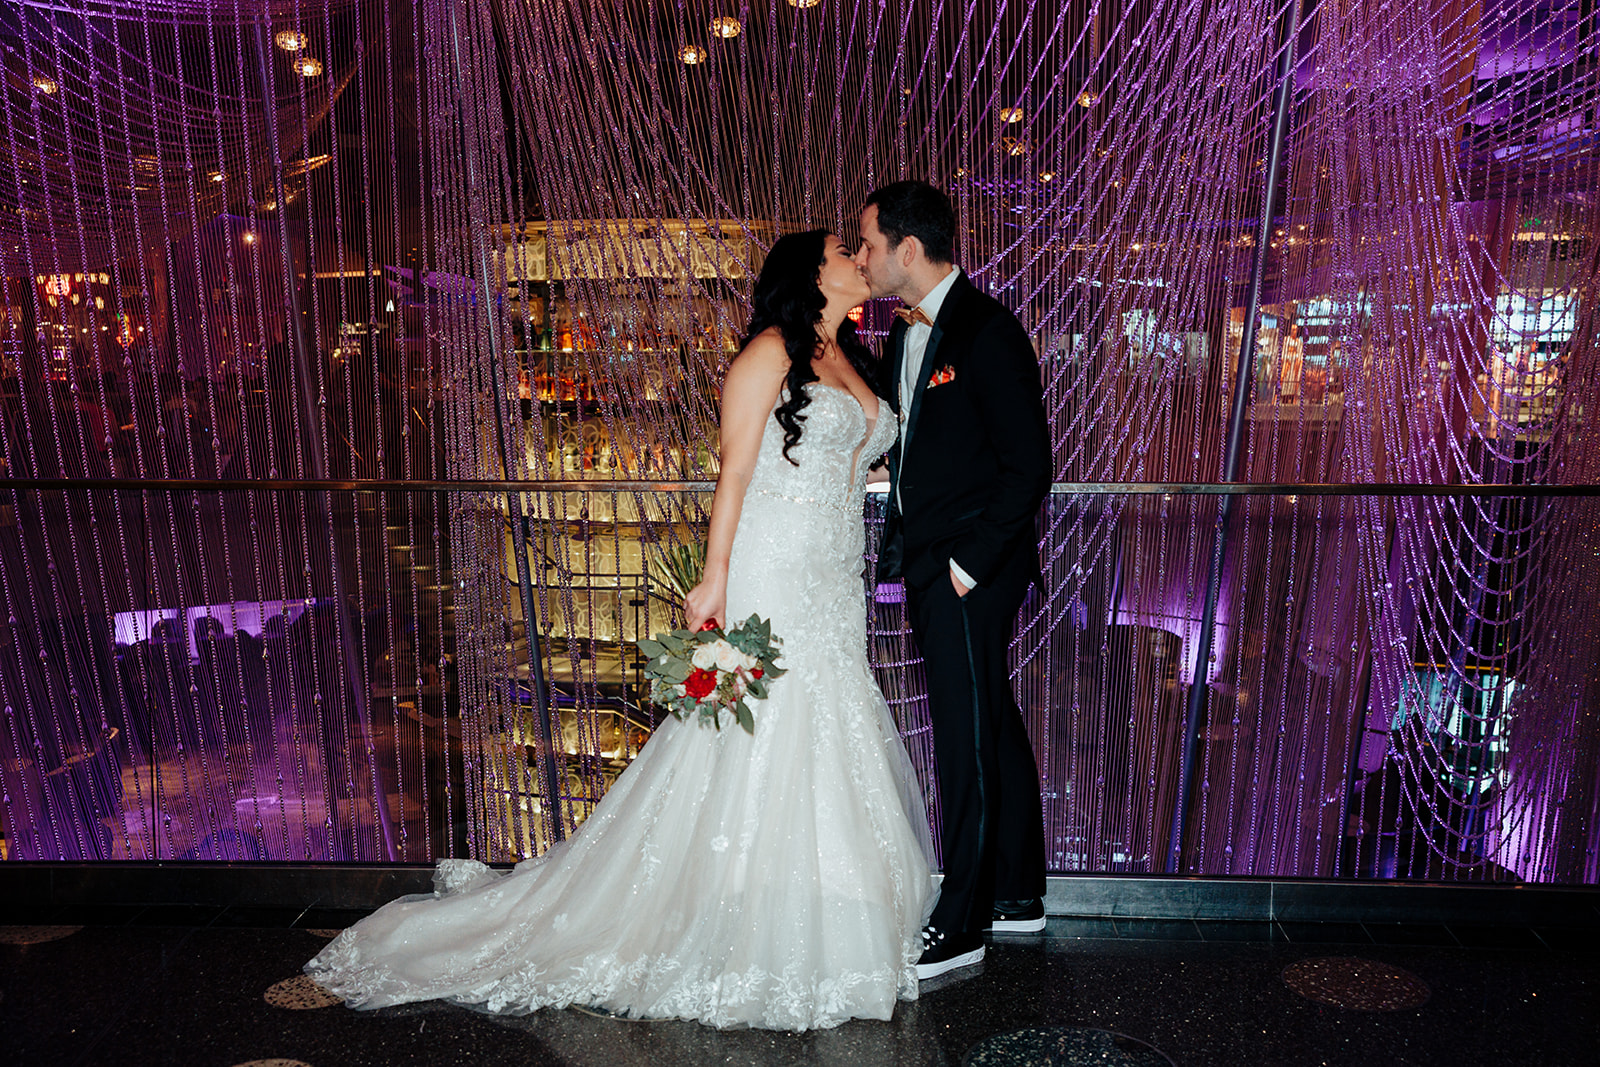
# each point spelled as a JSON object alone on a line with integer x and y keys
{"x": 725, "y": 26}
{"x": 692, "y": 55}
{"x": 290, "y": 40}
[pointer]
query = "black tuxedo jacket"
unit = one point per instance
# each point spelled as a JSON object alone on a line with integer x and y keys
{"x": 975, "y": 459}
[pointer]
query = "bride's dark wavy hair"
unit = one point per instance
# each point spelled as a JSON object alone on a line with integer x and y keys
{"x": 788, "y": 295}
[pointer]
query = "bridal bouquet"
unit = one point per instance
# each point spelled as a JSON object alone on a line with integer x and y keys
{"x": 712, "y": 671}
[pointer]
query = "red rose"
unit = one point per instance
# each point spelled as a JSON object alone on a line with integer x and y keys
{"x": 756, "y": 673}
{"x": 700, "y": 683}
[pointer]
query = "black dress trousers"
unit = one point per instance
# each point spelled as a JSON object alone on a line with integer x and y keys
{"x": 992, "y": 824}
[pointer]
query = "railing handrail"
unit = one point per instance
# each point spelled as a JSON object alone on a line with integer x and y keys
{"x": 481, "y": 485}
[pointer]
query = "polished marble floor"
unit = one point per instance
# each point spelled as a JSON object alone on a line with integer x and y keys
{"x": 179, "y": 985}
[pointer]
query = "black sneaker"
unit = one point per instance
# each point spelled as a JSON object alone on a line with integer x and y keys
{"x": 943, "y": 951}
{"x": 1018, "y": 916}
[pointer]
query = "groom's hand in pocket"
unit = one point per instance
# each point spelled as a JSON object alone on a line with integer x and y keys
{"x": 961, "y": 590}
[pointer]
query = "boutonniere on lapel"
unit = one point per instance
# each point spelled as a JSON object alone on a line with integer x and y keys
{"x": 941, "y": 376}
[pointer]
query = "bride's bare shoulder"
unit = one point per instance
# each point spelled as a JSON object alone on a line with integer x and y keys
{"x": 764, "y": 357}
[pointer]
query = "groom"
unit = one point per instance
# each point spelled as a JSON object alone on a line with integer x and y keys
{"x": 972, "y": 464}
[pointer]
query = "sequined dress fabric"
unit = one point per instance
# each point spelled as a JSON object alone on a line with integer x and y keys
{"x": 776, "y": 881}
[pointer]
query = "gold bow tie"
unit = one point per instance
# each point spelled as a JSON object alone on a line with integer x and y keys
{"x": 911, "y": 316}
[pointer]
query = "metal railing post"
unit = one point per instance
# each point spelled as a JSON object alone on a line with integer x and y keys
{"x": 1195, "y": 707}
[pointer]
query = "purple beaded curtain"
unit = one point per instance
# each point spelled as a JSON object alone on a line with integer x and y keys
{"x": 1392, "y": 686}
{"x": 203, "y": 205}
{"x": 1460, "y": 262}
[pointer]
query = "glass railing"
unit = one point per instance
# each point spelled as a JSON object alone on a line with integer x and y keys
{"x": 1311, "y": 681}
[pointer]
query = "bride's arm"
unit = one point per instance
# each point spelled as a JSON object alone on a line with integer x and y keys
{"x": 754, "y": 378}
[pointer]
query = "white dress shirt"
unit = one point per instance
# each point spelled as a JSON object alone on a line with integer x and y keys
{"x": 916, "y": 347}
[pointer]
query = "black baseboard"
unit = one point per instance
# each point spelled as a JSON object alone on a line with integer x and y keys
{"x": 365, "y": 886}
{"x": 1300, "y": 900}
{"x": 257, "y": 885}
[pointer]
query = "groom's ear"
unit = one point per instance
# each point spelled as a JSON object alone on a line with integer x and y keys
{"x": 910, "y": 250}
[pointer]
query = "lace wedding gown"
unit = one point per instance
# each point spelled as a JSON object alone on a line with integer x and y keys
{"x": 778, "y": 880}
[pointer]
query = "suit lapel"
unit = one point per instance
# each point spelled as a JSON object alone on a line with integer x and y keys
{"x": 897, "y": 357}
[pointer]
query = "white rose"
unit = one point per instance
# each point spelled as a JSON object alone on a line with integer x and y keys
{"x": 679, "y": 690}
{"x": 705, "y": 656}
{"x": 747, "y": 661}
{"x": 728, "y": 657}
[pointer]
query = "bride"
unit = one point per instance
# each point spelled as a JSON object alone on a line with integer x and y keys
{"x": 779, "y": 880}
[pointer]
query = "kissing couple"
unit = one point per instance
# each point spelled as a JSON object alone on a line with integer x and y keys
{"x": 783, "y": 879}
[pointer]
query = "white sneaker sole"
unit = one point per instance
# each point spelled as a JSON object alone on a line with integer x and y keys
{"x": 1017, "y": 926}
{"x": 934, "y": 970}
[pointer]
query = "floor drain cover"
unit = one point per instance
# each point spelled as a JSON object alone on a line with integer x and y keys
{"x": 1064, "y": 1046}
{"x": 1357, "y": 984}
{"x": 300, "y": 993}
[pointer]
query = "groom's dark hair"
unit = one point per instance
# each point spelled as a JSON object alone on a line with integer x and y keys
{"x": 917, "y": 209}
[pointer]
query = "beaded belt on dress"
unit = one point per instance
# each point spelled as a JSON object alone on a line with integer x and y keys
{"x": 832, "y": 505}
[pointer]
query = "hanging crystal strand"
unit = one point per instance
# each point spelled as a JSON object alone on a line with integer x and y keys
{"x": 68, "y": 731}
{"x": 220, "y": 835}
{"x": 175, "y": 593}
{"x": 32, "y": 721}
{"x": 535, "y": 509}
{"x": 233, "y": 329}
{"x": 376, "y": 464}
{"x": 501, "y": 756}
{"x": 304, "y": 703}
{"x": 311, "y": 429}
{"x": 20, "y": 809}
{"x": 146, "y": 845}
{"x": 461, "y": 460}
{"x": 546, "y": 717}
{"x": 144, "y": 466}
{"x": 492, "y": 605}
{"x": 582, "y": 299}
{"x": 106, "y": 788}
{"x": 355, "y": 746}
{"x": 33, "y": 623}
{"x": 439, "y": 505}
{"x": 409, "y": 501}
{"x": 355, "y": 641}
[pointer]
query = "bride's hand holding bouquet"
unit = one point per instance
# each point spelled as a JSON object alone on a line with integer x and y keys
{"x": 703, "y": 670}
{"x": 706, "y": 602}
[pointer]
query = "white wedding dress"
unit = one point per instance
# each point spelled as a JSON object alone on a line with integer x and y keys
{"x": 778, "y": 880}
